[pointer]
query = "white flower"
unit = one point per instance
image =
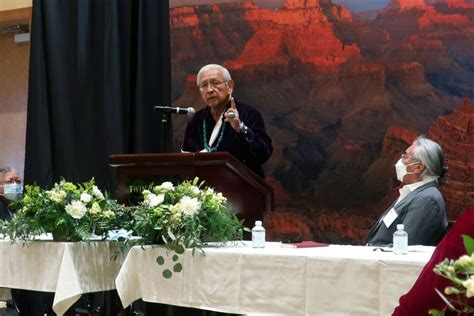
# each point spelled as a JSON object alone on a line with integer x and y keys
{"x": 57, "y": 196}
{"x": 76, "y": 209}
{"x": 465, "y": 260}
{"x": 175, "y": 209}
{"x": 195, "y": 189}
{"x": 153, "y": 199}
{"x": 189, "y": 206}
{"x": 469, "y": 285}
{"x": 219, "y": 198}
{"x": 95, "y": 209}
{"x": 97, "y": 192}
{"x": 177, "y": 217}
{"x": 86, "y": 197}
{"x": 109, "y": 214}
{"x": 168, "y": 186}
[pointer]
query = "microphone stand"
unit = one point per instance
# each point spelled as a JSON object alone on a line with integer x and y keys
{"x": 165, "y": 132}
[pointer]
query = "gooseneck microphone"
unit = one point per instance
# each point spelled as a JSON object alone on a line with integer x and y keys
{"x": 170, "y": 109}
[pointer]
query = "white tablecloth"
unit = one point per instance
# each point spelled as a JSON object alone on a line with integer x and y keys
{"x": 335, "y": 280}
{"x": 68, "y": 269}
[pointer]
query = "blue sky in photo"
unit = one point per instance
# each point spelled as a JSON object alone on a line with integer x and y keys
{"x": 362, "y": 5}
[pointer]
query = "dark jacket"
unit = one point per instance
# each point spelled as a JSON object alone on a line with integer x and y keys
{"x": 5, "y": 213}
{"x": 253, "y": 149}
{"x": 422, "y": 212}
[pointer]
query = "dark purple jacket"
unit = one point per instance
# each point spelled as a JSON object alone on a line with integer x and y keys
{"x": 253, "y": 149}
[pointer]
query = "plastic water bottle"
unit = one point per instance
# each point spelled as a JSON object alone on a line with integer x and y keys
{"x": 400, "y": 241}
{"x": 258, "y": 235}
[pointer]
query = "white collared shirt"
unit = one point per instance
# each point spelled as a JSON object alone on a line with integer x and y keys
{"x": 407, "y": 188}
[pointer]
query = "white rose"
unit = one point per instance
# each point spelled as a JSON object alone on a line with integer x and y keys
{"x": 98, "y": 194}
{"x": 153, "y": 199}
{"x": 189, "y": 206}
{"x": 168, "y": 186}
{"x": 76, "y": 209}
{"x": 86, "y": 197}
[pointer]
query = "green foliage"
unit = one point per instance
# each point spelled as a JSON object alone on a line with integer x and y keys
{"x": 184, "y": 216}
{"x": 469, "y": 244}
{"x": 70, "y": 212}
{"x": 188, "y": 215}
{"x": 461, "y": 274}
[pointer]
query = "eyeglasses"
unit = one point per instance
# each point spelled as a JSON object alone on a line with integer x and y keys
{"x": 407, "y": 156}
{"x": 214, "y": 84}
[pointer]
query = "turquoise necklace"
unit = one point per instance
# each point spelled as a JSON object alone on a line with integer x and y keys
{"x": 219, "y": 140}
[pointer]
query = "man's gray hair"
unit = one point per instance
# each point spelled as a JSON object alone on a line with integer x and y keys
{"x": 5, "y": 170}
{"x": 224, "y": 70}
{"x": 431, "y": 155}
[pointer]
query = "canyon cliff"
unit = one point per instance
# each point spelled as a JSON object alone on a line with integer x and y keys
{"x": 341, "y": 97}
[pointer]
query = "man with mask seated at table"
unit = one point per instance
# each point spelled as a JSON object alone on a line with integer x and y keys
{"x": 11, "y": 189}
{"x": 420, "y": 206}
{"x": 29, "y": 303}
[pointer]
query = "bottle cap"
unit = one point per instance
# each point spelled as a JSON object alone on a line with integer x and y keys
{"x": 258, "y": 223}
{"x": 400, "y": 226}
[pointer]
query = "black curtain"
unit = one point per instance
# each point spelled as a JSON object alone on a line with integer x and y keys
{"x": 97, "y": 68}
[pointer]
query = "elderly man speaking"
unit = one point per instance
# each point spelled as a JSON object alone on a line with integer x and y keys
{"x": 420, "y": 206}
{"x": 226, "y": 124}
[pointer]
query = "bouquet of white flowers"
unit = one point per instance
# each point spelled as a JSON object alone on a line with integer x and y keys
{"x": 184, "y": 216}
{"x": 70, "y": 212}
{"x": 461, "y": 274}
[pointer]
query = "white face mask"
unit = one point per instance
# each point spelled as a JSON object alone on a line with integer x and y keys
{"x": 401, "y": 169}
{"x": 13, "y": 191}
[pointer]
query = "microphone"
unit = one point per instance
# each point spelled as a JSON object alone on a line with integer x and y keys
{"x": 169, "y": 109}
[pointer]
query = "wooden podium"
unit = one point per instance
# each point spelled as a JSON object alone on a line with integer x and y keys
{"x": 248, "y": 194}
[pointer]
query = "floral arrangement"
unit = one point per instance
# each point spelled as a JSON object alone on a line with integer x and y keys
{"x": 70, "y": 212}
{"x": 184, "y": 216}
{"x": 461, "y": 274}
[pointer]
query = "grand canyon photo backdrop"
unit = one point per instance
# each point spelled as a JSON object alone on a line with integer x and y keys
{"x": 342, "y": 94}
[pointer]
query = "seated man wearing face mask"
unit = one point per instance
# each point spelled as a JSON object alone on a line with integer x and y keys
{"x": 11, "y": 189}
{"x": 25, "y": 302}
{"x": 420, "y": 206}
